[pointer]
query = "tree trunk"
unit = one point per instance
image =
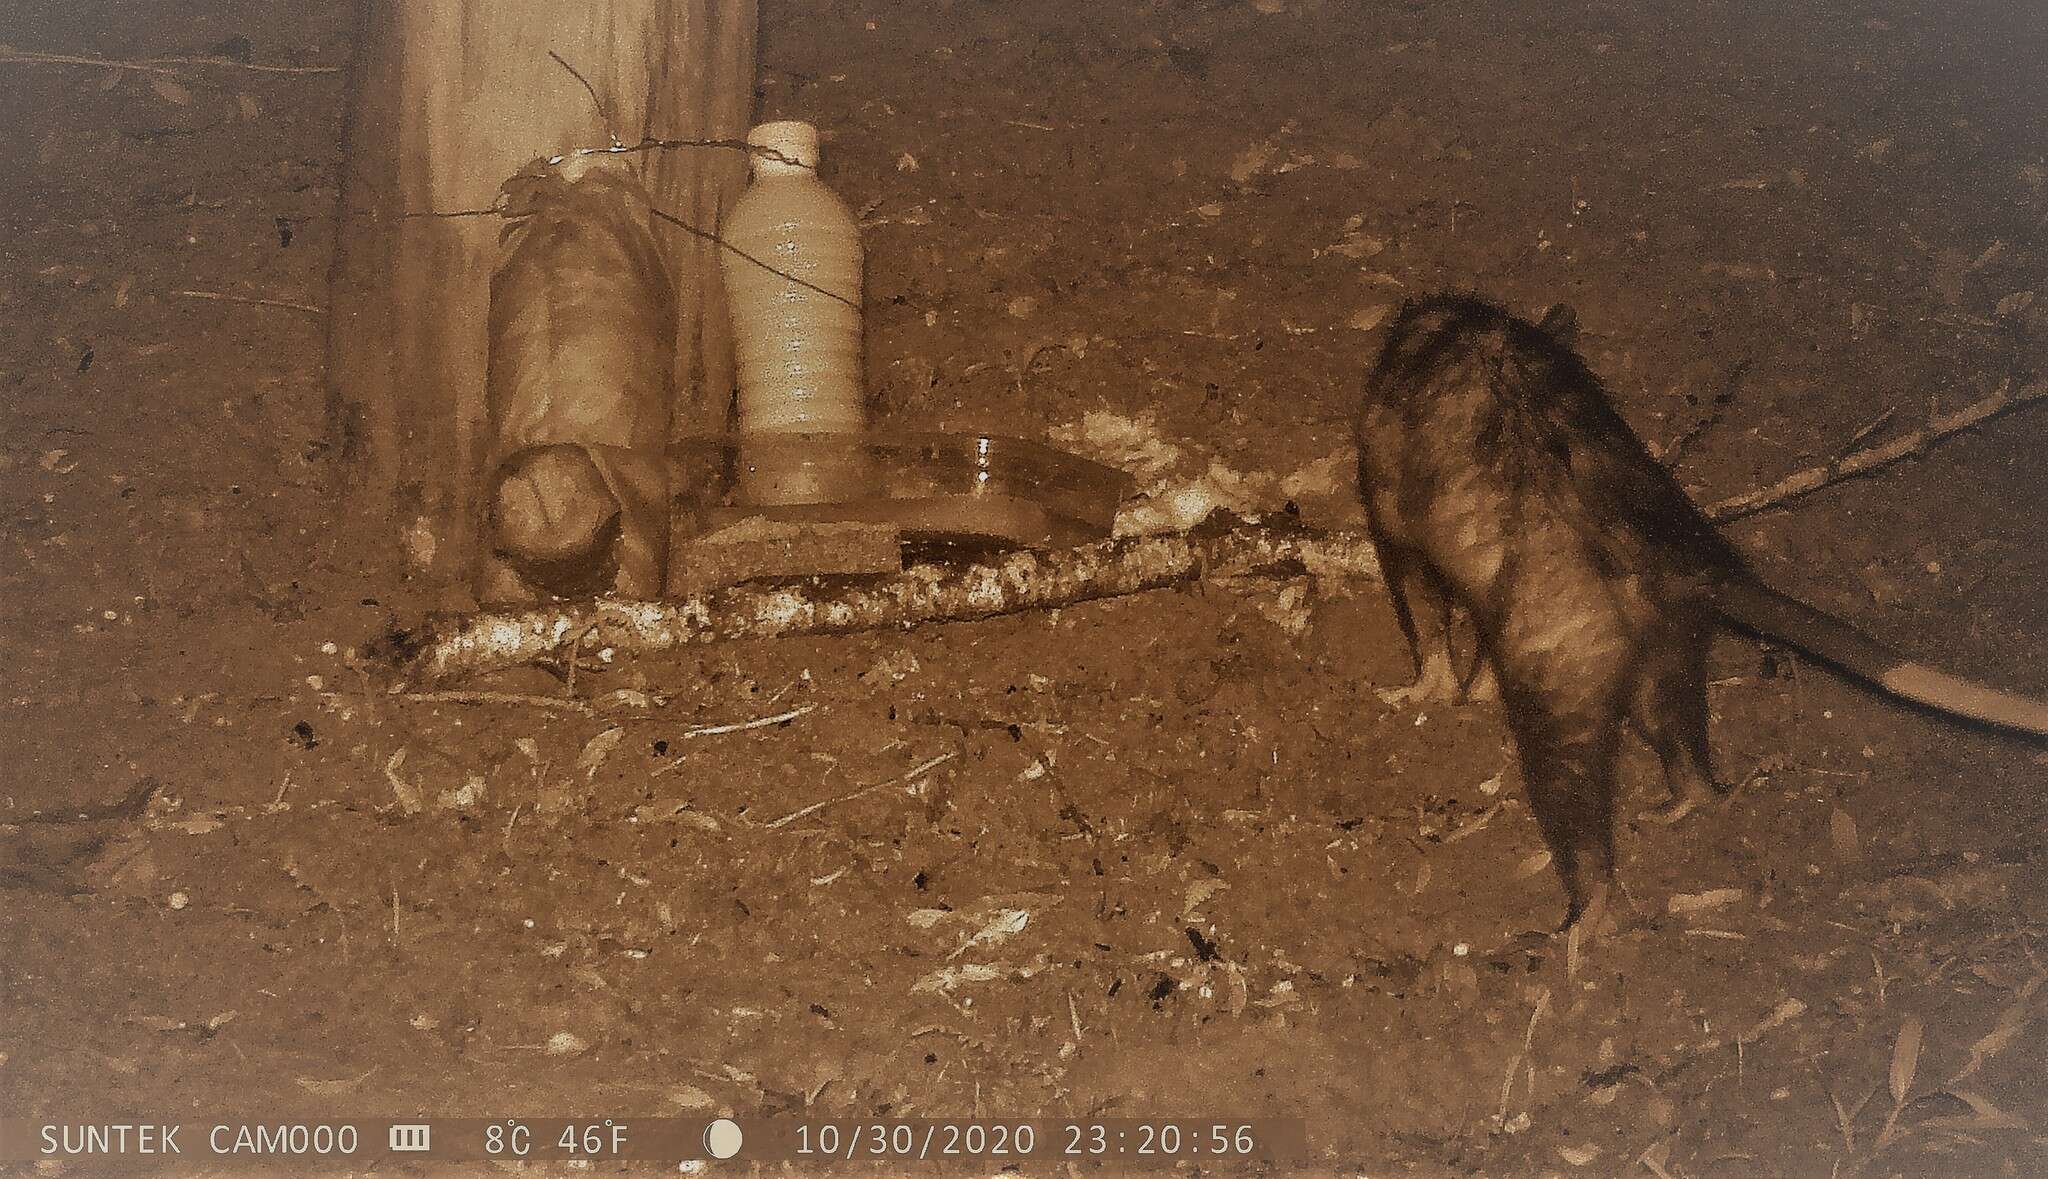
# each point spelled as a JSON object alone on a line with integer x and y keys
{"x": 450, "y": 99}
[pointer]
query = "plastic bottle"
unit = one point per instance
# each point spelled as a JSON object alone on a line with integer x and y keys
{"x": 797, "y": 333}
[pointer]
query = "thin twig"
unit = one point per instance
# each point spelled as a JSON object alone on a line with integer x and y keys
{"x": 743, "y": 726}
{"x": 650, "y": 143}
{"x": 1878, "y": 423}
{"x": 287, "y": 304}
{"x": 575, "y": 656}
{"x": 438, "y": 214}
{"x": 909, "y": 775}
{"x": 152, "y": 65}
{"x": 603, "y": 114}
{"x": 553, "y": 703}
{"x": 2001, "y": 401}
{"x": 1507, "y": 1083}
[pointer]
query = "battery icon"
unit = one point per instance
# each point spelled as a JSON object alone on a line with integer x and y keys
{"x": 415, "y": 1136}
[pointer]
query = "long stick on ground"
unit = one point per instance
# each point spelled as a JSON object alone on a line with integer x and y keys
{"x": 1860, "y": 462}
{"x": 448, "y": 647}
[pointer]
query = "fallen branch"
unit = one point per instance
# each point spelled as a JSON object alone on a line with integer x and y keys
{"x": 447, "y": 647}
{"x": 1860, "y": 462}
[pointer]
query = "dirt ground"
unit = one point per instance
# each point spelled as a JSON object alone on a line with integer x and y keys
{"x": 1167, "y": 855}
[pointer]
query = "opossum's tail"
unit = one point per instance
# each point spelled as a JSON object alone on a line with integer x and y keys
{"x": 1752, "y": 605}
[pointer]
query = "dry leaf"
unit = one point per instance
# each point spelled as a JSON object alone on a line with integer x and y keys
{"x": 1786, "y": 1011}
{"x": 1368, "y": 317}
{"x": 1987, "y": 1115}
{"x": 2013, "y": 304}
{"x": 170, "y": 91}
{"x": 1906, "y": 1058}
{"x": 945, "y": 979}
{"x": 1198, "y": 894}
{"x": 1358, "y": 245}
{"x": 320, "y": 1088}
{"x": 691, "y": 1097}
{"x": 408, "y": 795}
{"x": 1700, "y": 902}
{"x": 1842, "y": 833}
{"x": 597, "y": 749}
{"x": 2011, "y": 1022}
{"x": 1251, "y": 161}
{"x": 1004, "y": 924}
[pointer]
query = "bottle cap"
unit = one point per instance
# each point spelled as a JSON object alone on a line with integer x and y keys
{"x": 794, "y": 145}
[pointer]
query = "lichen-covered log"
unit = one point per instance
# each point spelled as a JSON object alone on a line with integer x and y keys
{"x": 451, "y": 647}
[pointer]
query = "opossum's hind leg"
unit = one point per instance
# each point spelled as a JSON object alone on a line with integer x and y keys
{"x": 1568, "y": 769}
{"x": 1670, "y": 711}
{"x": 1397, "y": 566}
{"x": 1423, "y": 610}
{"x": 1477, "y": 681}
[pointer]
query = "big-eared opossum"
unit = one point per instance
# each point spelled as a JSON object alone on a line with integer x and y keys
{"x": 1498, "y": 479}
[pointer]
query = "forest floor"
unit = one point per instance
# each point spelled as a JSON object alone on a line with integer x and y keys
{"x": 1170, "y": 855}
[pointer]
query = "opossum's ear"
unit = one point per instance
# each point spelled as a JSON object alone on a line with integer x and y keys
{"x": 1561, "y": 323}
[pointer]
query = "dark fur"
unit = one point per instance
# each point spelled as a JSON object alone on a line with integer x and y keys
{"x": 1498, "y": 478}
